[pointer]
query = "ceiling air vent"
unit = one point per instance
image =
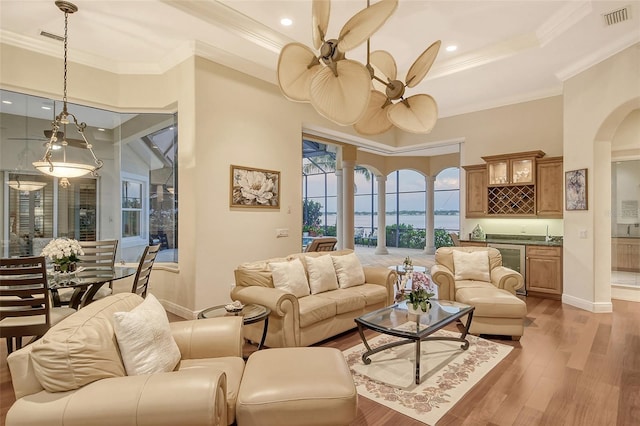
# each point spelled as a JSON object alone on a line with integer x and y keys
{"x": 616, "y": 16}
{"x": 53, "y": 36}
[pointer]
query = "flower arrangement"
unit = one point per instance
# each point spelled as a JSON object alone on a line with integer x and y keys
{"x": 63, "y": 252}
{"x": 422, "y": 289}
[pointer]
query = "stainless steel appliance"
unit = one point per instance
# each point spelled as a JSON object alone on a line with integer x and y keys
{"x": 513, "y": 257}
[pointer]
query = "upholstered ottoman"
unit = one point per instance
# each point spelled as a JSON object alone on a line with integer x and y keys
{"x": 297, "y": 387}
{"x": 497, "y": 311}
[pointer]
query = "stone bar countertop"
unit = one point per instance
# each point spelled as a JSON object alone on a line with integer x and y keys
{"x": 537, "y": 240}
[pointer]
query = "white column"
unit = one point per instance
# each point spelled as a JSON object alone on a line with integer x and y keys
{"x": 348, "y": 167}
{"x": 430, "y": 246}
{"x": 339, "y": 209}
{"x": 381, "y": 248}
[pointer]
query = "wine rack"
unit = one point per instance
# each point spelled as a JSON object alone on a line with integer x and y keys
{"x": 512, "y": 200}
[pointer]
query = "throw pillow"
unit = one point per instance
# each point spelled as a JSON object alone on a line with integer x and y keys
{"x": 349, "y": 270}
{"x": 290, "y": 277}
{"x": 145, "y": 339}
{"x": 471, "y": 266}
{"x": 322, "y": 275}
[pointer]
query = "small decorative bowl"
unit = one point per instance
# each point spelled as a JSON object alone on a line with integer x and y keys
{"x": 233, "y": 308}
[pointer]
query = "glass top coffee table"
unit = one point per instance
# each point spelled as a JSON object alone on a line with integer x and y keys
{"x": 250, "y": 314}
{"x": 395, "y": 320}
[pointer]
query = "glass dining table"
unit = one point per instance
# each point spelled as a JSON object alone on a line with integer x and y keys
{"x": 85, "y": 282}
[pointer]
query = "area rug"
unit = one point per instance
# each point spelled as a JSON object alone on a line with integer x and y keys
{"x": 447, "y": 373}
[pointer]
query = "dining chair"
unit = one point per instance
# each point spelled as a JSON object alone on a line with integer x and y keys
{"x": 25, "y": 304}
{"x": 141, "y": 281}
{"x": 322, "y": 244}
{"x": 97, "y": 255}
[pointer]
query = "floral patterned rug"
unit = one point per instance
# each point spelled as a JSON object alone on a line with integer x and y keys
{"x": 447, "y": 373}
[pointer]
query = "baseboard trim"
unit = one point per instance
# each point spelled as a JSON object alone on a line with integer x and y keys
{"x": 628, "y": 293}
{"x": 587, "y": 305}
{"x": 178, "y": 310}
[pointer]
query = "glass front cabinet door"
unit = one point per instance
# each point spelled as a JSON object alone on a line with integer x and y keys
{"x": 498, "y": 173}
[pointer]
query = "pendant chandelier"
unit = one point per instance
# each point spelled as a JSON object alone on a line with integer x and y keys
{"x": 64, "y": 169}
{"x": 26, "y": 185}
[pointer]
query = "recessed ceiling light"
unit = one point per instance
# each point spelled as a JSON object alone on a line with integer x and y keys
{"x": 7, "y": 102}
{"x": 286, "y": 22}
{"x": 452, "y": 48}
{"x": 100, "y": 129}
{"x": 45, "y": 107}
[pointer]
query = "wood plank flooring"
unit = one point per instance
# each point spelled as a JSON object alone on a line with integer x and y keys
{"x": 571, "y": 367}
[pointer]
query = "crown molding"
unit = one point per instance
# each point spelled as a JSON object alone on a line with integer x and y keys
{"x": 562, "y": 20}
{"x": 221, "y": 15}
{"x": 598, "y": 56}
{"x": 489, "y": 54}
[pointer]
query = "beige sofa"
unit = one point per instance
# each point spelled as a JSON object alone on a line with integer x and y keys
{"x": 487, "y": 285}
{"x": 302, "y": 321}
{"x": 81, "y": 354}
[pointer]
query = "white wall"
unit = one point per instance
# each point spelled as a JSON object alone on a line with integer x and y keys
{"x": 596, "y": 101}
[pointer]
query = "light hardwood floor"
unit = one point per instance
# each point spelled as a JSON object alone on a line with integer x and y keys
{"x": 571, "y": 367}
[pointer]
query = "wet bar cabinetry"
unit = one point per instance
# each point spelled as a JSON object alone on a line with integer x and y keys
{"x": 625, "y": 254}
{"x": 544, "y": 271}
{"x": 515, "y": 185}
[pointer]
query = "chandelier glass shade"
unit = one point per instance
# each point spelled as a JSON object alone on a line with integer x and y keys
{"x": 64, "y": 169}
{"x": 26, "y": 185}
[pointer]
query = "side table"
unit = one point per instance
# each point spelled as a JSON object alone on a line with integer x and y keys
{"x": 250, "y": 314}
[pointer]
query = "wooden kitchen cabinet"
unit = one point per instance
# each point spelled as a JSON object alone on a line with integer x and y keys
{"x": 625, "y": 254}
{"x": 549, "y": 187}
{"x": 512, "y": 169}
{"x": 476, "y": 190}
{"x": 544, "y": 271}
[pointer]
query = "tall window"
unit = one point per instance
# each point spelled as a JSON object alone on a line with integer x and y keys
{"x": 406, "y": 215}
{"x": 447, "y": 200}
{"x": 132, "y": 208}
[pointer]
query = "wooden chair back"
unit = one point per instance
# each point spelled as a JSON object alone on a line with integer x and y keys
{"x": 98, "y": 254}
{"x": 141, "y": 281}
{"x": 24, "y": 294}
{"x": 322, "y": 244}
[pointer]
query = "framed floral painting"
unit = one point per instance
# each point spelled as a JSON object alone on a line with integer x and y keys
{"x": 254, "y": 187}
{"x": 575, "y": 189}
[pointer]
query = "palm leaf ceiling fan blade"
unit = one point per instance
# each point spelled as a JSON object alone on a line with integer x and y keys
{"x": 320, "y": 11}
{"x": 75, "y": 143}
{"x": 384, "y": 62}
{"x": 364, "y": 23}
{"x": 375, "y": 120}
{"x": 422, "y": 65}
{"x": 416, "y": 114}
{"x": 297, "y": 65}
{"x": 341, "y": 98}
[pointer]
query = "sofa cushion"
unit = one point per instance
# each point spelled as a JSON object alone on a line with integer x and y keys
{"x": 471, "y": 266}
{"x": 322, "y": 275}
{"x": 473, "y": 284}
{"x": 348, "y": 270}
{"x": 315, "y": 308}
{"x": 346, "y": 299}
{"x": 372, "y": 293}
{"x": 145, "y": 340}
{"x": 290, "y": 276}
{"x": 82, "y": 348}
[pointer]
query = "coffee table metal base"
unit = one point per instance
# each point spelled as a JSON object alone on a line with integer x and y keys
{"x": 366, "y": 356}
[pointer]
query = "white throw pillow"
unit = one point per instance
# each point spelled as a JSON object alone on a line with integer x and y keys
{"x": 471, "y": 266}
{"x": 290, "y": 277}
{"x": 145, "y": 339}
{"x": 349, "y": 270}
{"x": 322, "y": 275}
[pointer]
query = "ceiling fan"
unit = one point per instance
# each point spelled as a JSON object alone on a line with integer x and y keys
{"x": 415, "y": 114}
{"x": 338, "y": 88}
{"x": 75, "y": 143}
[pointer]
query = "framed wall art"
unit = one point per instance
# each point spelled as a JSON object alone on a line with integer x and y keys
{"x": 575, "y": 189}
{"x": 252, "y": 187}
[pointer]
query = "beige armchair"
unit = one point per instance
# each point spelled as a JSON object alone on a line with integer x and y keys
{"x": 475, "y": 276}
{"x": 82, "y": 350}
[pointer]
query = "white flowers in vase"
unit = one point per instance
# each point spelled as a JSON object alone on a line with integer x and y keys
{"x": 63, "y": 252}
